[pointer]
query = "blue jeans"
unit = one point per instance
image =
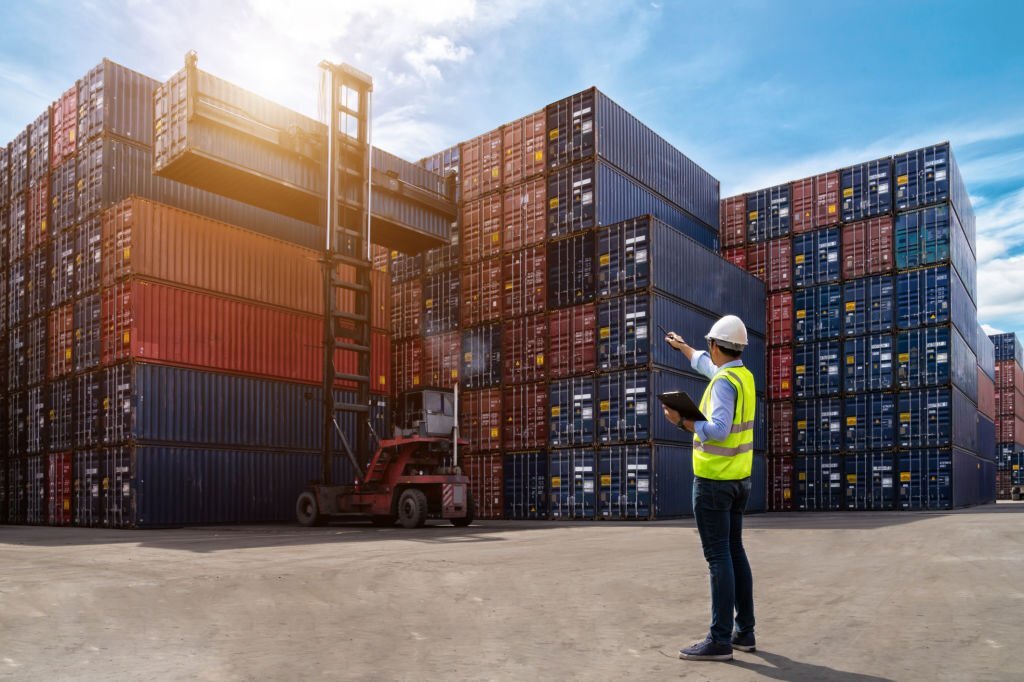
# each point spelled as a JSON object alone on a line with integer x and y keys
{"x": 718, "y": 508}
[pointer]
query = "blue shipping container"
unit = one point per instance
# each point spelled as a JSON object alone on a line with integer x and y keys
{"x": 870, "y": 481}
{"x": 816, "y": 257}
{"x": 572, "y": 277}
{"x": 819, "y": 425}
{"x": 986, "y": 438}
{"x": 442, "y": 295}
{"x": 1008, "y": 347}
{"x": 986, "y": 352}
{"x": 934, "y": 236}
{"x": 869, "y": 305}
{"x": 869, "y": 363}
{"x": 866, "y": 189}
{"x": 820, "y": 482}
{"x": 625, "y": 483}
{"x": 768, "y": 215}
{"x": 481, "y": 356}
{"x": 936, "y": 356}
{"x": 940, "y": 478}
{"x": 526, "y": 485}
{"x": 817, "y": 313}
{"x": 816, "y": 367}
{"x": 870, "y": 422}
{"x": 935, "y": 296}
{"x": 571, "y": 403}
{"x": 937, "y": 417}
{"x": 572, "y": 478}
{"x": 930, "y": 175}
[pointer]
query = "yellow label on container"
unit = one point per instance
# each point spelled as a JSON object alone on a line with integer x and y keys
{"x": 53, "y": 414}
{"x": 556, "y": 481}
{"x": 495, "y": 237}
{"x": 785, "y": 384}
{"x": 605, "y": 259}
{"x": 382, "y": 380}
{"x": 106, "y": 483}
{"x": 904, "y": 477}
{"x": 467, "y": 357}
{"x": 904, "y": 357}
{"x": 494, "y": 172}
{"x": 67, "y": 505}
{"x": 508, "y": 286}
{"x": 799, "y": 259}
{"x": 42, "y": 225}
{"x": 851, "y": 305}
{"x": 538, "y": 156}
{"x": 904, "y": 416}
{"x": 606, "y": 332}
{"x": 494, "y": 432}
{"x": 851, "y": 421}
{"x": 787, "y": 493}
{"x": 849, "y": 359}
{"x": 848, "y": 192}
{"x": 127, "y": 253}
{"x": 801, "y": 314}
{"x": 67, "y": 354}
{"x": 429, "y": 303}
{"x": 394, "y": 254}
{"x": 553, "y": 202}
{"x": 800, "y": 369}
{"x": 606, "y": 479}
{"x": 902, "y": 179}
{"x": 415, "y": 379}
{"x": 553, "y": 134}
{"x": 752, "y": 215}
{"x": 106, "y": 404}
{"x": 605, "y": 405}
{"x": 801, "y": 424}
{"x": 126, "y": 338}
{"x": 540, "y": 359}
{"x": 455, "y": 374}
{"x": 831, "y": 208}
{"x": 802, "y": 476}
{"x": 851, "y": 478}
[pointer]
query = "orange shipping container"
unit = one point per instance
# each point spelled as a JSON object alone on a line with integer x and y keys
{"x": 524, "y": 217}
{"x": 481, "y": 229}
{"x": 62, "y": 339}
{"x": 523, "y": 148}
{"x": 481, "y": 165}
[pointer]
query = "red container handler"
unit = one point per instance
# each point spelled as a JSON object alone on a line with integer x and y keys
{"x": 481, "y": 292}
{"x": 486, "y": 483}
{"x": 523, "y": 347}
{"x": 524, "y": 276}
{"x": 525, "y": 408}
{"x": 524, "y": 215}
{"x": 780, "y": 318}
{"x": 826, "y": 190}
{"x": 481, "y": 228}
{"x": 867, "y": 247}
{"x": 407, "y": 308}
{"x": 37, "y": 212}
{"x": 64, "y": 127}
{"x": 406, "y": 364}
{"x": 62, "y": 340}
{"x": 780, "y": 373}
{"x": 733, "y": 220}
{"x": 59, "y": 489}
{"x": 572, "y": 341}
{"x": 737, "y": 255}
{"x": 442, "y": 357}
{"x": 480, "y": 419}
{"x": 780, "y": 428}
{"x": 523, "y": 143}
{"x": 481, "y": 165}
{"x": 772, "y": 263}
{"x": 780, "y": 483}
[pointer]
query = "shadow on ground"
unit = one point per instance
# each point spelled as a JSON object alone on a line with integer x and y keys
{"x": 778, "y": 667}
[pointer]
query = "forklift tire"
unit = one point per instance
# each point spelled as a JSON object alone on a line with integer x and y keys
{"x": 383, "y": 520}
{"x": 470, "y": 513}
{"x": 412, "y": 508}
{"x": 307, "y": 511}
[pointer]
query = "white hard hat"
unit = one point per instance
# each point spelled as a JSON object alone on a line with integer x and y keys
{"x": 729, "y": 332}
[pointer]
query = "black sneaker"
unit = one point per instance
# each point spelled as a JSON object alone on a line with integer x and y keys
{"x": 706, "y": 650}
{"x": 743, "y": 642}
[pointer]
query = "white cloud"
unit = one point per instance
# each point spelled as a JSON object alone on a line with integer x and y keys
{"x": 1000, "y": 226}
{"x": 1001, "y": 291}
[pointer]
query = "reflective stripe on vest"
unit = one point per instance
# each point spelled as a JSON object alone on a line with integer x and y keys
{"x": 732, "y": 458}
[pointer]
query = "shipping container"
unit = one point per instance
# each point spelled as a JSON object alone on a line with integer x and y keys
{"x": 1008, "y": 347}
{"x": 781, "y": 484}
{"x": 937, "y": 417}
{"x": 819, "y": 425}
{"x": 480, "y": 419}
{"x": 523, "y": 143}
{"x": 870, "y": 422}
{"x": 486, "y": 484}
{"x": 17, "y": 490}
{"x": 986, "y": 438}
{"x": 870, "y": 481}
{"x": 5, "y": 196}
{"x": 987, "y": 396}
{"x": 18, "y": 160}
{"x": 780, "y": 372}
{"x": 817, "y": 313}
{"x": 815, "y": 202}
{"x": 866, "y": 189}
{"x": 1009, "y": 376}
{"x": 625, "y": 483}
{"x": 1008, "y": 403}
{"x": 441, "y": 299}
{"x": 934, "y": 236}
{"x": 867, "y": 247}
{"x": 3, "y": 490}
{"x": 481, "y": 161}
{"x": 571, "y": 264}
{"x": 37, "y": 300}
{"x": 17, "y": 293}
{"x": 820, "y": 483}
{"x": 768, "y": 215}
{"x": 442, "y": 358}
{"x": 986, "y": 352}
{"x": 526, "y": 481}
{"x": 59, "y": 423}
{"x": 524, "y": 215}
{"x": 780, "y": 428}
{"x": 63, "y": 192}
{"x": 37, "y": 351}
{"x": 802, "y": 200}
{"x": 86, "y": 508}
{"x": 59, "y": 480}
{"x": 39, "y": 148}
{"x": 62, "y": 335}
{"x": 481, "y": 356}
{"x": 593, "y": 193}
{"x": 17, "y": 365}
{"x": 524, "y": 280}
{"x": 816, "y": 367}
{"x": 64, "y": 127}
{"x": 524, "y": 348}
{"x": 936, "y": 356}
{"x": 572, "y": 479}
{"x": 406, "y": 365}
{"x": 17, "y": 422}
{"x": 572, "y": 348}
{"x": 930, "y": 175}
{"x": 37, "y": 213}
{"x": 481, "y": 292}
{"x": 62, "y": 268}
{"x": 771, "y": 262}
{"x": 571, "y": 405}
{"x": 780, "y": 319}
{"x": 525, "y": 412}
{"x": 589, "y": 124}
{"x": 1010, "y": 429}
{"x": 869, "y": 363}
{"x": 407, "y": 309}
{"x": 643, "y": 254}
{"x": 733, "y": 219}
{"x": 816, "y": 258}
{"x": 481, "y": 228}
{"x": 737, "y": 255}
{"x": 116, "y": 100}
{"x": 17, "y": 225}
{"x": 87, "y": 413}
{"x": 404, "y": 267}
{"x": 440, "y": 258}
{"x": 36, "y": 469}
{"x": 88, "y": 256}
{"x": 938, "y": 478}
{"x": 869, "y": 305}
{"x": 88, "y": 347}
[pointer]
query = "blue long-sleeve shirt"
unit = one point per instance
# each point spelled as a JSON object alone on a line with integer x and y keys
{"x": 723, "y": 399}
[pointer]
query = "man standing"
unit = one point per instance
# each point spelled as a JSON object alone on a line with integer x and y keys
{"x": 723, "y": 449}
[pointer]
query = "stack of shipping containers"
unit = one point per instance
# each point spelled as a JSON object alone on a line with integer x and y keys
{"x": 1009, "y": 409}
{"x": 580, "y": 233}
{"x": 876, "y": 357}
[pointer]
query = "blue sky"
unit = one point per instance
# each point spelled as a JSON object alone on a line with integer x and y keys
{"x": 758, "y": 92}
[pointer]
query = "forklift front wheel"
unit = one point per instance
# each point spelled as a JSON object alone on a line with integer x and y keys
{"x": 412, "y": 508}
{"x": 307, "y": 510}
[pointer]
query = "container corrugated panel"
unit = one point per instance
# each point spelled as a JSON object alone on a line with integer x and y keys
{"x": 37, "y": 233}
{"x": 524, "y": 215}
{"x": 780, "y": 319}
{"x": 867, "y": 247}
{"x": 18, "y": 160}
{"x": 826, "y": 189}
{"x": 870, "y": 422}
{"x": 930, "y": 175}
{"x": 481, "y": 228}
{"x": 768, "y": 215}
{"x": 816, "y": 258}
{"x": 572, "y": 265}
{"x": 481, "y": 292}
{"x": 59, "y": 423}
{"x": 866, "y": 190}
{"x": 819, "y": 425}
{"x": 1010, "y": 428}
{"x": 644, "y": 253}
{"x": 62, "y": 334}
{"x": 589, "y": 123}
{"x": 35, "y": 489}
{"x": 116, "y": 100}
{"x": 17, "y": 365}
{"x": 625, "y": 483}
{"x": 62, "y": 268}
{"x": 869, "y": 363}
{"x": 816, "y": 367}
{"x": 1009, "y": 377}
{"x": 5, "y": 219}
{"x": 17, "y": 293}
{"x": 572, "y": 347}
{"x": 17, "y": 422}
{"x": 524, "y": 277}
{"x": 525, "y": 412}
{"x": 407, "y": 308}
{"x": 410, "y": 173}
{"x": 59, "y": 486}
{"x": 593, "y": 193}
{"x": 17, "y": 225}
{"x": 63, "y": 191}
{"x": 780, "y": 428}
{"x": 5, "y": 195}
{"x": 734, "y": 221}
{"x": 780, "y": 376}
{"x": 443, "y": 257}
{"x": 480, "y": 419}
{"x": 937, "y": 417}
{"x": 481, "y": 160}
{"x": 871, "y": 481}
{"x": 524, "y": 348}
{"x": 441, "y": 299}
{"x": 64, "y": 127}
{"x": 88, "y": 256}
{"x": 737, "y": 255}
{"x": 781, "y": 480}
{"x": 3, "y": 490}
{"x": 1008, "y": 347}
{"x": 39, "y": 148}
{"x": 38, "y": 298}
{"x": 443, "y": 162}
{"x": 407, "y": 365}
{"x": 572, "y": 405}
{"x": 37, "y": 350}
{"x": 404, "y": 267}
{"x": 938, "y": 478}
{"x": 523, "y": 144}
{"x": 818, "y": 313}
{"x": 820, "y": 482}
{"x": 986, "y": 395}
{"x": 772, "y": 263}
{"x": 481, "y": 356}
{"x": 673, "y": 480}
{"x": 572, "y": 478}
{"x": 88, "y": 319}
{"x": 442, "y": 358}
{"x": 869, "y": 305}
{"x": 986, "y": 437}
{"x": 36, "y": 411}
{"x": 17, "y": 490}
{"x": 986, "y": 352}
{"x": 486, "y": 484}
{"x": 526, "y": 483}
{"x": 935, "y": 357}
{"x": 802, "y": 201}
{"x": 86, "y": 506}
{"x": 87, "y": 414}
{"x": 932, "y": 236}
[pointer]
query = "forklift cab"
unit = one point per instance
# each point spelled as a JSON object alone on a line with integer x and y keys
{"x": 428, "y": 412}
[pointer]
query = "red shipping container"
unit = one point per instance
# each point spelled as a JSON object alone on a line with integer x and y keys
{"x": 480, "y": 419}
{"x": 1010, "y": 429}
{"x": 737, "y": 255}
{"x": 1008, "y": 403}
{"x": 780, "y": 428}
{"x": 526, "y": 416}
{"x": 380, "y": 363}
{"x": 1009, "y": 375}
{"x": 523, "y": 144}
{"x": 380, "y": 300}
{"x": 772, "y": 263}
{"x": 802, "y": 205}
{"x": 481, "y": 165}
{"x": 524, "y": 215}
{"x": 37, "y": 212}
{"x": 59, "y": 487}
{"x": 780, "y": 319}
{"x": 486, "y": 484}
{"x": 780, "y": 373}
{"x": 523, "y": 346}
{"x": 524, "y": 274}
{"x": 407, "y": 365}
{"x": 481, "y": 229}
{"x": 826, "y": 189}
{"x": 780, "y": 483}
{"x": 380, "y": 257}
{"x": 481, "y": 292}
{"x": 867, "y": 247}
{"x": 733, "y": 221}
{"x": 986, "y": 395}
{"x": 442, "y": 357}
{"x": 64, "y": 127}
{"x": 572, "y": 341}
{"x": 62, "y": 341}
{"x": 407, "y": 308}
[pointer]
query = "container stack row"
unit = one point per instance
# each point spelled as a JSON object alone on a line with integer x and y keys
{"x": 162, "y": 365}
{"x": 878, "y": 372}
{"x": 581, "y": 233}
{"x": 1008, "y": 406}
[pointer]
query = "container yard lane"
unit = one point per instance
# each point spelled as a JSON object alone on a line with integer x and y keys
{"x": 511, "y": 600}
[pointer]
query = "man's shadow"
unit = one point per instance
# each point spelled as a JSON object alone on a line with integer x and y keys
{"x": 782, "y": 668}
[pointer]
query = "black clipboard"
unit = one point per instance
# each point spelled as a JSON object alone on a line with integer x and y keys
{"x": 682, "y": 403}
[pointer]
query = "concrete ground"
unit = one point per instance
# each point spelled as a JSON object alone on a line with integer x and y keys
{"x": 852, "y": 596}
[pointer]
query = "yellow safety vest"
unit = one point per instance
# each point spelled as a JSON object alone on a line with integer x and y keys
{"x": 730, "y": 459}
